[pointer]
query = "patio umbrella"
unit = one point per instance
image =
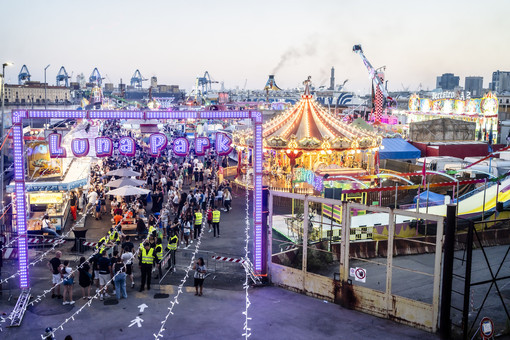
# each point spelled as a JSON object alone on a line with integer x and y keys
{"x": 128, "y": 190}
{"x": 123, "y": 173}
{"x": 125, "y": 181}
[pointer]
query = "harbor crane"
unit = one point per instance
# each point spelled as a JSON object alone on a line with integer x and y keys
{"x": 137, "y": 79}
{"x": 63, "y": 77}
{"x": 95, "y": 77}
{"x": 205, "y": 82}
{"x": 23, "y": 75}
{"x": 388, "y": 101}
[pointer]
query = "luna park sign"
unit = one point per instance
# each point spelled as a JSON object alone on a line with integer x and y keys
{"x": 158, "y": 142}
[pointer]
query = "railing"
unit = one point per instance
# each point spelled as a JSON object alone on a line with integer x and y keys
{"x": 477, "y": 190}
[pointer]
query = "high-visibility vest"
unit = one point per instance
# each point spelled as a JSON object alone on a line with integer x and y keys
{"x": 159, "y": 251}
{"x": 114, "y": 236}
{"x": 172, "y": 244}
{"x": 198, "y": 218}
{"x": 148, "y": 256}
{"x": 151, "y": 229}
{"x": 216, "y": 216}
{"x": 101, "y": 244}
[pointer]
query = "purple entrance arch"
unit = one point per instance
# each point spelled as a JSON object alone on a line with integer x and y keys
{"x": 259, "y": 235}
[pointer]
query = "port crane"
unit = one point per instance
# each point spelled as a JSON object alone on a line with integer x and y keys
{"x": 137, "y": 79}
{"x": 23, "y": 75}
{"x": 388, "y": 101}
{"x": 63, "y": 77}
{"x": 205, "y": 82}
{"x": 95, "y": 77}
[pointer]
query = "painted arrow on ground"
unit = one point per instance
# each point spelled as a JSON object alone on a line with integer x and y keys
{"x": 138, "y": 321}
{"x": 142, "y": 307}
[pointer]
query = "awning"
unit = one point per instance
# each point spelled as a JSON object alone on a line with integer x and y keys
{"x": 432, "y": 196}
{"x": 397, "y": 148}
{"x": 149, "y": 128}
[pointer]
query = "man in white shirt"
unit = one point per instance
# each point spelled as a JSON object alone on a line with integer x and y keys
{"x": 92, "y": 198}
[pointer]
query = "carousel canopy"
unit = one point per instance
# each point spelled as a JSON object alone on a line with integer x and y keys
{"x": 308, "y": 125}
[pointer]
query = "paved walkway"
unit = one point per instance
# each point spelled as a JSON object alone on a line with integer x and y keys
{"x": 275, "y": 313}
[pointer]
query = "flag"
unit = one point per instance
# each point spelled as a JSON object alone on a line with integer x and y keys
{"x": 424, "y": 172}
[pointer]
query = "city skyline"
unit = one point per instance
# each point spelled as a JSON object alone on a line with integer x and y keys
{"x": 240, "y": 43}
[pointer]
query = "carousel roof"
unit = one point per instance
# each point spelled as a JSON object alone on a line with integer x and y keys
{"x": 310, "y": 125}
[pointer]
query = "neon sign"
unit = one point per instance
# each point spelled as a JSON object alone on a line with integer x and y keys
{"x": 308, "y": 176}
{"x": 127, "y": 146}
{"x": 20, "y": 199}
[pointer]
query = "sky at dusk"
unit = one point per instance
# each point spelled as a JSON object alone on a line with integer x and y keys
{"x": 241, "y": 42}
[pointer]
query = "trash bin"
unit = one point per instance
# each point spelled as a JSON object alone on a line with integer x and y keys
{"x": 79, "y": 237}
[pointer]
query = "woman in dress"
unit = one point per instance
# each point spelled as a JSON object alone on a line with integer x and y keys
{"x": 84, "y": 278}
{"x": 200, "y": 271}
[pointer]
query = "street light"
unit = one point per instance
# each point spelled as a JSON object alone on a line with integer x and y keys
{"x": 45, "y": 106}
{"x": 2, "y": 96}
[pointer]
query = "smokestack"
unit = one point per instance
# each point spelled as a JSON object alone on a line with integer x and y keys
{"x": 271, "y": 84}
{"x": 332, "y": 79}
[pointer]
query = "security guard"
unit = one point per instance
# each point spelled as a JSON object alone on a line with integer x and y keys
{"x": 147, "y": 258}
{"x": 101, "y": 245}
{"x": 159, "y": 256}
{"x": 216, "y": 221}
{"x": 172, "y": 248}
{"x": 198, "y": 224}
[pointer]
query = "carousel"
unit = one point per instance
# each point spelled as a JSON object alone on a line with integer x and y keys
{"x": 306, "y": 142}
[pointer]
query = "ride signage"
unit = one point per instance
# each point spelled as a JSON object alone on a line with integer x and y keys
{"x": 127, "y": 146}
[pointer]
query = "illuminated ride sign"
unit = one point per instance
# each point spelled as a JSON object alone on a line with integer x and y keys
{"x": 308, "y": 176}
{"x": 127, "y": 146}
{"x": 157, "y": 142}
{"x": 455, "y": 103}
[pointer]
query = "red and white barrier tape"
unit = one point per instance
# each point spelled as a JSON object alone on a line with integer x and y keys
{"x": 10, "y": 253}
{"x": 227, "y": 259}
{"x": 45, "y": 241}
{"x": 90, "y": 244}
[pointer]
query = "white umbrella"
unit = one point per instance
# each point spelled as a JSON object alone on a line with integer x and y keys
{"x": 123, "y": 173}
{"x": 128, "y": 190}
{"x": 125, "y": 181}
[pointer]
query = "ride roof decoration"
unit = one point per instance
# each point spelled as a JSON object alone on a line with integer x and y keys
{"x": 309, "y": 126}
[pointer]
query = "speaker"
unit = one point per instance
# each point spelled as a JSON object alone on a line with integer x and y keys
{"x": 335, "y": 193}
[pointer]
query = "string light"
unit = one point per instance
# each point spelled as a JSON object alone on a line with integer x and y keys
{"x": 175, "y": 300}
{"x": 247, "y": 330}
{"x": 89, "y": 302}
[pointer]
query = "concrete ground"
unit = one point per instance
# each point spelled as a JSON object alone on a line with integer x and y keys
{"x": 275, "y": 313}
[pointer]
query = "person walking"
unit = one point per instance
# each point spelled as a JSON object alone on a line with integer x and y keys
{"x": 159, "y": 255}
{"x": 147, "y": 258}
{"x": 119, "y": 272}
{"x": 216, "y": 221}
{"x": 209, "y": 218}
{"x": 54, "y": 266}
{"x": 73, "y": 202}
{"x": 68, "y": 282}
{"x": 198, "y": 224}
{"x": 227, "y": 199}
{"x": 105, "y": 270}
{"x": 127, "y": 258}
{"x": 199, "y": 276}
{"x": 84, "y": 278}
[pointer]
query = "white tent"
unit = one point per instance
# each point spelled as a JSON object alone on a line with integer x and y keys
{"x": 125, "y": 181}
{"x": 123, "y": 173}
{"x": 128, "y": 190}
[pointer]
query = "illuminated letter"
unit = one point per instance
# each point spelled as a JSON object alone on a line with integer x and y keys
{"x": 80, "y": 147}
{"x": 181, "y": 146}
{"x": 104, "y": 147}
{"x": 223, "y": 144}
{"x": 127, "y": 146}
{"x": 201, "y": 144}
{"x": 56, "y": 151}
{"x": 157, "y": 142}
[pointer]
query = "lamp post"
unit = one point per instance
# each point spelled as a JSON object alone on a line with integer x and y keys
{"x": 45, "y": 105}
{"x": 2, "y": 96}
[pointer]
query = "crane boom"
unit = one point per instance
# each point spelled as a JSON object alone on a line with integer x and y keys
{"x": 373, "y": 75}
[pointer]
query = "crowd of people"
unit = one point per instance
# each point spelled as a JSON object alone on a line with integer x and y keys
{"x": 185, "y": 194}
